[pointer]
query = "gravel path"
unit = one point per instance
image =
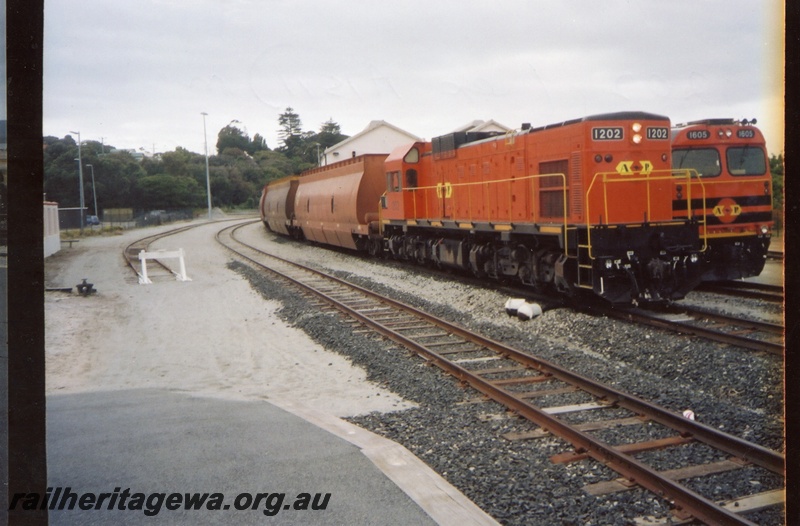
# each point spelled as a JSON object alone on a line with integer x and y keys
{"x": 211, "y": 336}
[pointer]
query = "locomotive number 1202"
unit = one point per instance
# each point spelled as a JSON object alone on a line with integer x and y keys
{"x": 657, "y": 133}
{"x": 607, "y": 133}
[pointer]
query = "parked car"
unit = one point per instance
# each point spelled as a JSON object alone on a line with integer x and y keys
{"x": 92, "y": 220}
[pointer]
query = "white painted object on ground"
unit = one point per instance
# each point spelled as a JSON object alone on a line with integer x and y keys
{"x": 513, "y": 304}
{"x": 162, "y": 254}
{"x": 528, "y": 311}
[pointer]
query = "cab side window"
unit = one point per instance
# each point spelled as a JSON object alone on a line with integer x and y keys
{"x": 411, "y": 178}
{"x": 393, "y": 183}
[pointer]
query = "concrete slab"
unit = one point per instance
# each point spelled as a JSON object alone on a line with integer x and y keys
{"x": 154, "y": 442}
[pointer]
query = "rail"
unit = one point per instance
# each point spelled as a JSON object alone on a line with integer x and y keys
{"x": 443, "y": 341}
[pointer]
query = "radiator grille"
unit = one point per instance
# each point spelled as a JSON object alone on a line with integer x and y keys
{"x": 551, "y": 188}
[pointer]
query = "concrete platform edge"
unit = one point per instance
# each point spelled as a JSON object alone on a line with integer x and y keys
{"x": 437, "y": 497}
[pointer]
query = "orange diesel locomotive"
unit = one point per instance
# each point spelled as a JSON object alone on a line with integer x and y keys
{"x": 582, "y": 205}
{"x": 731, "y": 191}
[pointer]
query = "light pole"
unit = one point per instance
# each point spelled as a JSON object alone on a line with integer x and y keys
{"x": 208, "y": 179}
{"x": 80, "y": 176}
{"x": 94, "y": 192}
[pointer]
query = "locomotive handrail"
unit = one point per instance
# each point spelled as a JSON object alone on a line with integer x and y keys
{"x": 381, "y": 201}
{"x": 448, "y": 190}
{"x": 690, "y": 174}
{"x": 606, "y": 178}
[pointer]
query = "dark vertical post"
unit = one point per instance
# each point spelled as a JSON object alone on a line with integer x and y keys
{"x": 791, "y": 255}
{"x": 27, "y": 465}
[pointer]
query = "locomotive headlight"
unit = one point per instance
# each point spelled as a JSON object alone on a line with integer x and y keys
{"x": 764, "y": 229}
{"x": 637, "y": 138}
{"x": 720, "y": 132}
{"x": 636, "y": 127}
{"x": 728, "y": 133}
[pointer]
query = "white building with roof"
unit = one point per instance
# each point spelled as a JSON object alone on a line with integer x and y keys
{"x": 377, "y": 137}
{"x": 483, "y": 126}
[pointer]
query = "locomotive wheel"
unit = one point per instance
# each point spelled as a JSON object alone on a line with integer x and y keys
{"x": 374, "y": 247}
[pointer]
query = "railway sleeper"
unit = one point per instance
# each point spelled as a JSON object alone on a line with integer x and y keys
{"x": 622, "y": 484}
{"x": 756, "y": 502}
{"x": 639, "y": 447}
{"x": 586, "y": 426}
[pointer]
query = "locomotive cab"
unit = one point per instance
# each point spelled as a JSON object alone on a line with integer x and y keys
{"x": 728, "y": 162}
{"x": 404, "y": 170}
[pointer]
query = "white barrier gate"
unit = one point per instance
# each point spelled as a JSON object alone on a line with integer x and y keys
{"x": 162, "y": 254}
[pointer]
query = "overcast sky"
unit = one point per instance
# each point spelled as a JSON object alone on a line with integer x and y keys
{"x": 138, "y": 74}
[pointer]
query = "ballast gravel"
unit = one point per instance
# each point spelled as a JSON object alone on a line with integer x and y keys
{"x": 735, "y": 390}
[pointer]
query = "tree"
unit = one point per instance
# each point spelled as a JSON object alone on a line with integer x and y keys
{"x": 258, "y": 144}
{"x": 291, "y": 132}
{"x": 273, "y": 165}
{"x": 232, "y": 137}
{"x": 115, "y": 173}
{"x": 174, "y": 179}
{"x": 176, "y": 162}
{"x": 330, "y": 133}
{"x": 168, "y": 191}
{"x": 116, "y": 176}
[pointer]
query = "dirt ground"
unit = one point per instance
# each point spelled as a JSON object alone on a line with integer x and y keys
{"x": 211, "y": 336}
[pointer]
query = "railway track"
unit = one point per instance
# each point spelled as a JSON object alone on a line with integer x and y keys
{"x": 131, "y": 252}
{"x": 747, "y": 334}
{"x": 745, "y": 289}
{"x": 526, "y": 385}
{"x": 680, "y": 318}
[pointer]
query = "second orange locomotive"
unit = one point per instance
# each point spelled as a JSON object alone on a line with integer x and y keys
{"x": 731, "y": 190}
{"x": 582, "y": 205}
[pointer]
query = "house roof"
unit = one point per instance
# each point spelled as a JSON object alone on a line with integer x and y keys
{"x": 479, "y": 125}
{"x": 370, "y": 127}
